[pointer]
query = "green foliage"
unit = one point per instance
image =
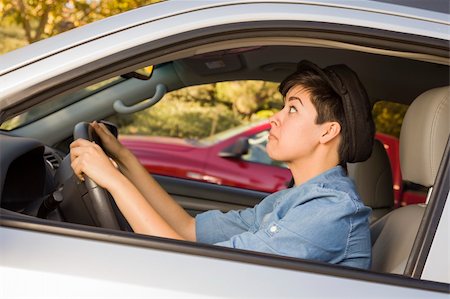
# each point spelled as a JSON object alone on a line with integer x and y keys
{"x": 388, "y": 117}
{"x": 11, "y": 38}
{"x": 248, "y": 97}
{"x": 200, "y": 111}
{"x": 184, "y": 119}
{"x": 43, "y": 18}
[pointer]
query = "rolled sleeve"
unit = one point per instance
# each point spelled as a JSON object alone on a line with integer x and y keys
{"x": 282, "y": 239}
{"x": 214, "y": 226}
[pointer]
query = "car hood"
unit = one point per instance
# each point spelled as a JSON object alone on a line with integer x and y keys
{"x": 149, "y": 143}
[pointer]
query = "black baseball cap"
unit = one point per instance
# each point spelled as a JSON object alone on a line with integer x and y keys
{"x": 360, "y": 128}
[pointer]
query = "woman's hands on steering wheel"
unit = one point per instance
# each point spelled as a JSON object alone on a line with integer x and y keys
{"x": 89, "y": 158}
{"x": 89, "y": 161}
{"x": 112, "y": 147}
{"x": 99, "y": 174}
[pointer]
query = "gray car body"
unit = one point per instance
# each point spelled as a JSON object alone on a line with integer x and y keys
{"x": 40, "y": 258}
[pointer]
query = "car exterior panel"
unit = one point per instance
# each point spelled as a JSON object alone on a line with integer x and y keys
{"x": 117, "y": 270}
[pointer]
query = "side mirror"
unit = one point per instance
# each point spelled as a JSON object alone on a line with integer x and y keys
{"x": 237, "y": 149}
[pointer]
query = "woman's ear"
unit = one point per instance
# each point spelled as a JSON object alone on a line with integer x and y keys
{"x": 330, "y": 131}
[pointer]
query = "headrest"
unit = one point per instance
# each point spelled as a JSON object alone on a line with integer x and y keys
{"x": 359, "y": 124}
{"x": 373, "y": 178}
{"x": 424, "y": 134}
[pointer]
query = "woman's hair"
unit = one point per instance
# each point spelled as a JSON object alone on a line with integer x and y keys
{"x": 326, "y": 101}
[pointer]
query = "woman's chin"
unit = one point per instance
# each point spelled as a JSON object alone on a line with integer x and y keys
{"x": 271, "y": 153}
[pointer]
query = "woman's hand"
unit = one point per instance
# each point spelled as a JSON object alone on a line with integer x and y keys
{"x": 111, "y": 145}
{"x": 88, "y": 158}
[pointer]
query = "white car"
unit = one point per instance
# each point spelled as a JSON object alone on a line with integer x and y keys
{"x": 56, "y": 242}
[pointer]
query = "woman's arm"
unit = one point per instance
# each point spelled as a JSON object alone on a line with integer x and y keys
{"x": 145, "y": 204}
{"x": 158, "y": 198}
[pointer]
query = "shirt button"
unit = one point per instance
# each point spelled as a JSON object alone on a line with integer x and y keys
{"x": 273, "y": 229}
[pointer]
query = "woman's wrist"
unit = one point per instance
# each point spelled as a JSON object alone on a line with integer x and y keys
{"x": 125, "y": 158}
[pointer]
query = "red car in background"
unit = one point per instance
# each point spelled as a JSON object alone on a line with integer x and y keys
{"x": 403, "y": 193}
{"x": 237, "y": 157}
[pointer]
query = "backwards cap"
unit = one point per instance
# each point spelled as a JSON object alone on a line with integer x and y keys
{"x": 359, "y": 124}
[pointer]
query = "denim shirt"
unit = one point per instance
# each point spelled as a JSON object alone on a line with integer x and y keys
{"x": 323, "y": 219}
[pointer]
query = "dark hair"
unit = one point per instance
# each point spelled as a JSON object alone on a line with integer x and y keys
{"x": 326, "y": 101}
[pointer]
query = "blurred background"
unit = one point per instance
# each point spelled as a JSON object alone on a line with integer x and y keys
{"x": 26, "y": 21}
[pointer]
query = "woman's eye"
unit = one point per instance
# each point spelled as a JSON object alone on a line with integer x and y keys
{"x": 292, "y": 109}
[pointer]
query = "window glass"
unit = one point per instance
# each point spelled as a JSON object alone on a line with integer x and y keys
{"x": 203, "y": 111}
{"x": 257, "y": 150}
{"x": 198, "y": 118}
{"x": 388, "y": 117}
{"x": 53, "y": 105}
{"x": 190, "y": 134}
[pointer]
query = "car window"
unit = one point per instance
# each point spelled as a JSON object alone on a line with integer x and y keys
{"x": 205, "y": 112}
{"x": 388, "y": 118}
{"x": 224, "y": 135}
{"x": 191, "y": 115}
{"x": 55, "y": 104}
{"x": 257, "y": 150}
{"x": 190, "y": 132}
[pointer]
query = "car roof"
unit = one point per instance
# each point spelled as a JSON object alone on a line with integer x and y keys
{"x": 95, "y": 30}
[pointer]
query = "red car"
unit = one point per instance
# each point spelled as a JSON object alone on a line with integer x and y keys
{"x": 402, "y": 196}
{"x": 237, "y": 157}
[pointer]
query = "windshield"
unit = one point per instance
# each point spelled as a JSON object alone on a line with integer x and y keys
{"x": 57, "y": 103}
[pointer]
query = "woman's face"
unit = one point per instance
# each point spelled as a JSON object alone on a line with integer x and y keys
{"x": 294, "y": 134}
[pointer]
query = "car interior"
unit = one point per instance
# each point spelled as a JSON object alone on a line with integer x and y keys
{"x": 373, "y": 180}
{"x": 423, "y": 131}
{"x": 34, "y": 145}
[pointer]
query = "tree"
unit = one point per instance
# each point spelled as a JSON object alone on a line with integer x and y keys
{"x": 43, "y": 18}
{"x": 388, "y": 117}
{"x": 248, "y": 97}
{"x": 204, "y": 110}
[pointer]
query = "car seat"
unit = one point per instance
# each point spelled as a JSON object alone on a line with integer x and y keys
{"x": 373, "y": 180}
{"x": 423, "y": 138}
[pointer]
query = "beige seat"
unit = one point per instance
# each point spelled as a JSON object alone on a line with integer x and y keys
{"x": 424, "y": 134}
{"x": 373, "y": 180}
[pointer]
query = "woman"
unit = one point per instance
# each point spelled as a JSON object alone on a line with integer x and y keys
{"x": 325, "y": 123}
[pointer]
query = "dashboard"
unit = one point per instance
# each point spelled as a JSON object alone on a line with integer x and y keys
{"x": 28, "y": 174}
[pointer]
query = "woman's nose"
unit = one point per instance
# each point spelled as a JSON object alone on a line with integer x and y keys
{"x": 274, "y": 120}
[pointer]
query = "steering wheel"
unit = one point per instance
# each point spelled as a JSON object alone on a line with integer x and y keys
{"x": 100, "y": 205}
